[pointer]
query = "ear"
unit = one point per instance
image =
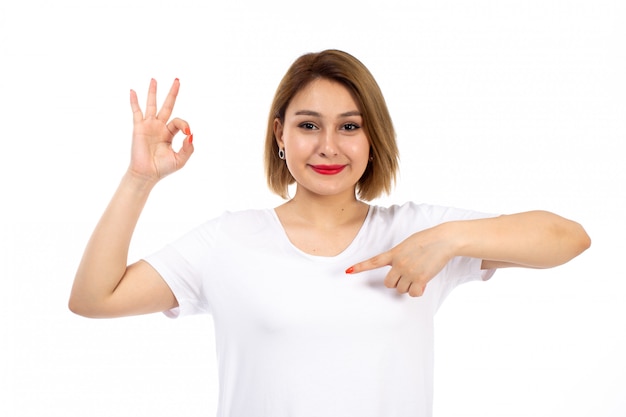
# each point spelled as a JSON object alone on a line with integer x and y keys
{"x": 278, "y": 132}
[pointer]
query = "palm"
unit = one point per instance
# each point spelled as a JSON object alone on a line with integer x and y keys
{"x": 152, "y": 154}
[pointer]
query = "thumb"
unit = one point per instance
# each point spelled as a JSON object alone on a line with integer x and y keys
{"x": 378, "y": 261}
{"x": 185, "y": 151}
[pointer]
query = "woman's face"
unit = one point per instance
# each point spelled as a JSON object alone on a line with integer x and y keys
{"x": 326, "y": 148}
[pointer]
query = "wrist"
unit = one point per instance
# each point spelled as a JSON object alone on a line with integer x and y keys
{"x": 137, "y": 183}
{"x": 458, "y": 236}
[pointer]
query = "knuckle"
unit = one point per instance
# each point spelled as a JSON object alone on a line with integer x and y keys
{"x": 376, "y": 260}
{"x": 417, "y": 290}
{"x": 390, "y": 281}
{"x": 414, "y": 292}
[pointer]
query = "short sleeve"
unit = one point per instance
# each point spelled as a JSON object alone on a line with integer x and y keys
{"x": 460, "y": 269}
{"x": 183, "y": 265}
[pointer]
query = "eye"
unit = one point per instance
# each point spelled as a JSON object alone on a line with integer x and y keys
{"x": 351, "y": 127}
{"x": 307, "y": 126}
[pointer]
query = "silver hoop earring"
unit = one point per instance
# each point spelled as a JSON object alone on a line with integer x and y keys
{"x": 281, "y": 153}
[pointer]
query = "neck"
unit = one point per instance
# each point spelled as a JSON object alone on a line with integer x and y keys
{"x": 326, "y": 211}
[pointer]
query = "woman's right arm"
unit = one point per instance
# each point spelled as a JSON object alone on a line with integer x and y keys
{"x": 105, "y": 286}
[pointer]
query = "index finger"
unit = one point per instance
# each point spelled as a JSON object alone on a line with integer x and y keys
{"x": 378, "y": 261}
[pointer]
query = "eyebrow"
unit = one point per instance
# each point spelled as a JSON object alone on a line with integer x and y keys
{"x": 316, "y": 114}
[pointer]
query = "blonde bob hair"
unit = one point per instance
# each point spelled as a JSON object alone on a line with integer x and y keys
{"x": 341, "y": 67}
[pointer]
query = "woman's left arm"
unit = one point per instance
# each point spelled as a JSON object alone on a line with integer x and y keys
{"x": 534, "y": 239}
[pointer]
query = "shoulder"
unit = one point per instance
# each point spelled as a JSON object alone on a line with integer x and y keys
{"x": 424, "y": 214}
{"x": 229, "y": 223}
{"x": 247, "y": 216}
{"x": 245, "y": 225}
{"x": 249, "y": 221}
{"x": 406, "y": 210}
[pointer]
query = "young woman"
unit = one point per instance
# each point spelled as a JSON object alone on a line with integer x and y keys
{"x": 324, "y": 305}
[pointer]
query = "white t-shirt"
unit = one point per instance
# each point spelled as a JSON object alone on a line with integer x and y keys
{"x": 296, "y": 336}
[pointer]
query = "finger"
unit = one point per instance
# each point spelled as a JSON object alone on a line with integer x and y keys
{"x": 170, "y": 100}
{"x": 185, "y": 152}
{"x": 134, "y": 105}
{"x": 416, "y": 289}
{"x": 178, "y": 125}
{"x": 403, "y": 285}
{"x": 392, "y": 279}
{"x": 378, "y": 261}
{"x": 151, "y": 104}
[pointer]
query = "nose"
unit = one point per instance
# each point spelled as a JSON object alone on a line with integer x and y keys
{"x": 328, "y": 144}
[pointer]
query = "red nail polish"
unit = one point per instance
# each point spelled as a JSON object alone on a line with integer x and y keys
{"x": 190, "y": 138}
{"x": 350, "y": 270}
{"x": 187, "y": 131}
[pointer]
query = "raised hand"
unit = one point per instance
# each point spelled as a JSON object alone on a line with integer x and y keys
{"x": 152, "y": 155}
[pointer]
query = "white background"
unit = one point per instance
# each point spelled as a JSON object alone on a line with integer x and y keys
{"x": 500, "y": 106}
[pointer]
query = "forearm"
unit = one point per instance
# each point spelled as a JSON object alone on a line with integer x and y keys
{"x": 105, "y": 258}
{"x": 536, "y": 239}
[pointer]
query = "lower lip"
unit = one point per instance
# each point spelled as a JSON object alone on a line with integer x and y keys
{"x": 328, "y": 171}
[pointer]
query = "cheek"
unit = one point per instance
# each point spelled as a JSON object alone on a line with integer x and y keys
{"x": 297, "y": 152}
{"x": 294, "y": 140}
{"x": 359, "y": 150}
{"x": 298, "y": 149}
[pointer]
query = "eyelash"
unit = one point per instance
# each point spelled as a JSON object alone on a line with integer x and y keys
{"x": 350, "y": 127}
{"x": 307, "y": 125}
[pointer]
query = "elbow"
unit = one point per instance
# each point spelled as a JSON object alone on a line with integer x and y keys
{"x": 86, "y": 300}
{"x": 568, "y": 240}
{"x": 85, "y": 310}
{"x": 584, "y": 241}
{"x": 76, "y": 302}
{"x": 78, "y": 308}
{"x": 81, "y": 306}
{"x": 75, "y": 308}
{"x": 576, "y": 239}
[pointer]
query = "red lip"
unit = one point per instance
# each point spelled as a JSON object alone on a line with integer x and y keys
{"x": 328, "y": 169}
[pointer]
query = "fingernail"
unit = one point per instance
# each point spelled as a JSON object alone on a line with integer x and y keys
{"x": 350, "y": 270}
{"x": 176, "y": 79}
{"x": 187, "y": 131}
{"x": 191, "y": 138}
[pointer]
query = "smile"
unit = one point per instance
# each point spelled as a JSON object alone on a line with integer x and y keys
{"x": 328, "y": 169}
